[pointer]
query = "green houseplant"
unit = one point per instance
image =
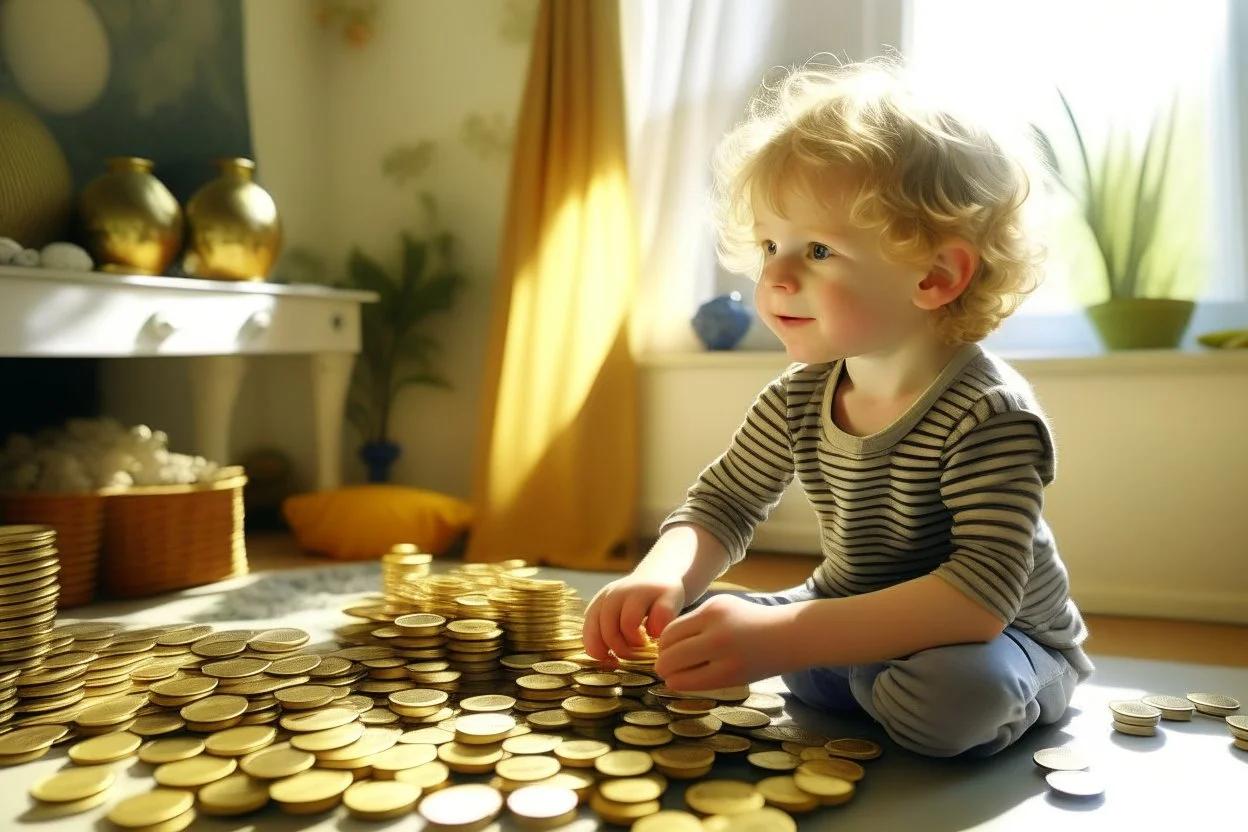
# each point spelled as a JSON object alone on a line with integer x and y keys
{"x": 397, "y": 350}
{"x": 1147, "y": 297}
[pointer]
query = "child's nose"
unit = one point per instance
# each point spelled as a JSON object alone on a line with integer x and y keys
{"x": 780, "y": 273}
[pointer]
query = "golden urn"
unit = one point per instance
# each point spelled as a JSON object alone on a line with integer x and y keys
{"x": 132, "y": 223}
{"x": 36, "y": 187}
{"x": 235, "y": 231}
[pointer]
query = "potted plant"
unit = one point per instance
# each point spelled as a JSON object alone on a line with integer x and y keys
{"x": 1147, "y": 298}
{"x": 397, "y": 350}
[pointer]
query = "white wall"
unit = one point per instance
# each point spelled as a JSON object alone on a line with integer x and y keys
{"x": 1150, "y": 497}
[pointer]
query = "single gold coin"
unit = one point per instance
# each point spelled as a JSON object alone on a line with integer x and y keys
{"x": 374, "y": 740}
{"x": 692, "y": 707}
{"x": 527, "y": 768}
{"x": 328, "y": 739}
{"x": 553, "y": 719}
{"x": 318, "y": 720}
{"x": 789, "y": 733}
{"x": 185, "y": 687}
{"x": 697, "y": 727}
{"x": 1075, "y": 783}
{"x": 783, "y": 793}
{"x": 647, "y": 719}
{"x": 470, "y": 759}
{"x": 740, "y": 717}
{"x": 483, "y": 728}
{"x": 427, "y": 736}
{"x": 156, "y": 724}
{"x": 237, "y": 794}
{"x": 591, "y": 706}
{"x": 1175, "y": 708}
{"x": 400, "y": 757}
{"x": 621, "y": 814}
{"x": 775, "y": 760}
{"x": 305, "y": 697}
{"x": 418, "y": 698}
{"x": 488, "y": 703}
{"x": 683, "y": 756}
{"x": 624, "y": 763}
{"x": 159, "y": 752}
{"x": 1134, "y": 729}
{"x": 766, "y": 819}
{"x": 240, "y": 741}
{"x": 276, "y": 762}
{"x": 726, "y": 743}
{"x": 532, "y": 743}
{"x": 428, "y": 777}
{"x": 380, "y": 799}
{"x": 550, "y": 804}
{"x": 74, "y": 784}
{"x": 150, "y": 808}
{"x": 668, "y": 821}
{"x": 455, "y": 806}
{"x": 213, "y": 709}
{"x": 834, "y": 767}
{"x": 831, "y": 791}
{"x": 106, "y": 748}
{"x": 643, "y": 736}
{"x": 723, "y": 797}
{"x": 852, "y": 748}
{"x": 235, "y": 668}
{"x": 195, "y": 772}
{"x": 580, "y": 753}
{"x": 1061, "y": 758}
{"x": 111, "y": 712}
{"x": 633, "y": 789}
{"x": 1214, "y": 704}
{"x": 309, "y": 791}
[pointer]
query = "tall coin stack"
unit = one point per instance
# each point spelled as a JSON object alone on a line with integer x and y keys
{"x": 28, "y": 598}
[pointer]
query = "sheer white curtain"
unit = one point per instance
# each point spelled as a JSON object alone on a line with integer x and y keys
{"x": 690, "y": 65}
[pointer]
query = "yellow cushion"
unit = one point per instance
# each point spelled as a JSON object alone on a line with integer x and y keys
{"x": 362, "y": 522}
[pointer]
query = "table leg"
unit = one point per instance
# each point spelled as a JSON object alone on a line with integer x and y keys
{"x": 331, "y": 376}
{"x": 215, "y": 382}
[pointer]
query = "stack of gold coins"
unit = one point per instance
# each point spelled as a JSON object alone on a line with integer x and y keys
{"x": 474, "y": 647}
{"x": 402, "y": 567}
{"x": 28, "y": 593}
{"x": 8, "y": 693}
{"x": 1238, "y": 726}
{"x": 1131, "y": 716}
{"x": 1214, "y": 704}
{"x": 540, "y": 691}
{"x": 537, "y": 616}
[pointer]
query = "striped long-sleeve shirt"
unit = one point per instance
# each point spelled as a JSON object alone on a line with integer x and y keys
{"x": 954, "y": 487}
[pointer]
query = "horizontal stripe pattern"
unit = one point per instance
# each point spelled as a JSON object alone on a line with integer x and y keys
{"x": 955, "y": 488}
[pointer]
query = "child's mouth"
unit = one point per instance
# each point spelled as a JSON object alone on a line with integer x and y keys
{"x": 790, "y": 320}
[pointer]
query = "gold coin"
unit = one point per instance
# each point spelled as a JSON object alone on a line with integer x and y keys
{"x": 740, "y": 717}
{"x": 831, "y": 791}
{"x": 1135, "y": 730}
{"x": 238, "y": 742}
{"x": 188, "y": 686}
{"x": 1075, "y": 783}
{"x": 1062, "y": 758}
{"x": 542, "y": 682}
{"x": 304, "y": 697}
{"x": 766, "y": 819}
{"x": 643, "y": 737}
{"x": 788, "y": 733}
{"x": 462, "y": 805}
{"x": 775, "y": 760}
{"x": 725, "y": 743}
{"x": 550, "y": 804}
{"x": 532, "y": 743}
{"x": 1134, "y": 712}
{"x": 682, "y": 756}
{"x": 488, "y": 703}
{"x": 527, "y": 768}
{"x": 622, "y": 814}
{"x": 400, "y": 757}
{"x": 237, "y": 794}
{"x": 591, "y": 706}
{"x": 428, "y": 776}
{"x": 74, "y": 784}
{"x": 235, "y": 668}
{"x": 159, "y": 752}
{"x": 308, "y": 791}
{"x": 380, "y": 799}
{"x": 276, "y": 762}
{"x": 580, "y": 753}
{"x": 1214, "y": 704}
{"x": 648, "y": 719}
{"x": 195, "y": 772}
{"x": 111, "y": 712}
{"x": 835, "y": 767}
{"x": 427, "y": 736}
{"x": 279, "y": 640}
{"x": 372, "y": 741}
{"x": 329, "y": 739}
{"x": 783, "y": 793}
{"x": 692, "y": 707}
{"x": 483, "y": 728}
{"x": 294, "y": 665}
{"x": 702, "y": 726}
{"x": 1171, "y": 707}
{"x": 633, "y": 789}
{"x": 151, "y": 808}
{"x": 470, "y": 759}
{"x": 551, "y": 719}
{"x": 322, "y": 720}
{"x": 212, "y": 709}
{"x": 419, "y": 698}
{"x": 108, "y": 748}
{"x": 723, "y": 797}
{"x": 624, "y": 763}
{"x": 854, "y": 749}
{"x": 668, "y": 821}
{"x": 556, "y": 668}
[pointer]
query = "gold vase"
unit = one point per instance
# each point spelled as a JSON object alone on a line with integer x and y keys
{"x": 36, "y": 187}
{"x": 235, "y": 231}
{"x": 132, "y": 223}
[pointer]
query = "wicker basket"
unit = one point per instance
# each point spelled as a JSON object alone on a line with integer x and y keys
{"x": 79, "y": 522}
{"x": 166, "y": 537}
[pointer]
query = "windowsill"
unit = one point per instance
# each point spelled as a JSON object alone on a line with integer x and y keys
{"x": 1184, "y": 361}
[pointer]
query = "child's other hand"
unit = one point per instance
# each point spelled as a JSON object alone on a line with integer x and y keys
{"x": 727, "y": 641}
{"x": 613, "y": 619}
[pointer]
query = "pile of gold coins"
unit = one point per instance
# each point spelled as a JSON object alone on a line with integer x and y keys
{"x": 409, "y": 710}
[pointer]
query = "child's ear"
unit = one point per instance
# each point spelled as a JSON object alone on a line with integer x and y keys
{"x": 956, "y": 262}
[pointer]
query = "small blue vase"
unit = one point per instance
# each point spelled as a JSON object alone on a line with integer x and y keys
{"x": 378, "y": 457}
{"x": 722, "y": 322}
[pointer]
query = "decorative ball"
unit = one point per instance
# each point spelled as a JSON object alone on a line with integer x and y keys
{"x": 66, "y": 256}
{"x": 722, "y": 322}
{"x": 36, "y": 188}
{"x": 8, "y": 249}
{"x": 26, "y": 257}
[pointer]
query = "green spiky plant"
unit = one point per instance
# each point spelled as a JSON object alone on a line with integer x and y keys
{"x": 1122, "y": 195}
{"x": 397, "y": 349}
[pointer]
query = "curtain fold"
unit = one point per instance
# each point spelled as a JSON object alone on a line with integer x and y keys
{"x": 556, "y": 477}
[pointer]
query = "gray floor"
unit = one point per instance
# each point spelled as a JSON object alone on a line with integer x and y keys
{"x": 1152, "y": 783}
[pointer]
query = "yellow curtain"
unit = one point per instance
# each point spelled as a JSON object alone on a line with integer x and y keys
{"x": 557, "y": 468}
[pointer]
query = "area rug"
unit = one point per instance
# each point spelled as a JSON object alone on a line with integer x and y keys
{"x": 1189, "y": 771}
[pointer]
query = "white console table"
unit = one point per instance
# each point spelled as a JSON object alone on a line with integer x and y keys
{"x": 216, "y": 325}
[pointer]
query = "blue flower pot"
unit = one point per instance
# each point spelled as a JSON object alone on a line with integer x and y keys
{"x": 722, "y": 322}
{"x": 378, "y": 457}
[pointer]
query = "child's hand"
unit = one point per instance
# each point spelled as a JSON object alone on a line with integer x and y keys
{"x": 613, "y": 620}
{"x": 725, "y": 642}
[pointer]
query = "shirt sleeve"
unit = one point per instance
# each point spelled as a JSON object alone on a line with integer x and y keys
{"x": 738, "y": 490}
{"x": 996, "y": 465}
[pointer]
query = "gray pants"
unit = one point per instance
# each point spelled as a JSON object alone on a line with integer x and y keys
{"x": 973, "y": 699}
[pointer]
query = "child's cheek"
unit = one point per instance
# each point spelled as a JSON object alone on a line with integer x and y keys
{"x": 849, "y": 312}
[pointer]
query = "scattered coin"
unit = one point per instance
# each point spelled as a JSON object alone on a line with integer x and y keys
{"x": 1062, "y": 758}
{"x": 1075, "y": 783}
{"x": 462, "y": 805}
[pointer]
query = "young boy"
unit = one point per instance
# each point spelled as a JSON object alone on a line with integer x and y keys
{"x": 886, "y": 238}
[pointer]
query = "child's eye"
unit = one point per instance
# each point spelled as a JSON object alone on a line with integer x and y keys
{"x": 769, "y": 247}
{"x": 819, "y": 251}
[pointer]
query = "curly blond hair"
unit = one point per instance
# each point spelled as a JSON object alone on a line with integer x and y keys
{"x": 925, "y": 176}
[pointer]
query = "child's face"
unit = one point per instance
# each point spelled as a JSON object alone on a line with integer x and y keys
{"x": 826, "y": 288}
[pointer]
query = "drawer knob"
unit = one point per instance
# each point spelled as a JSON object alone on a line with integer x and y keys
{"x": 160, "y": 326}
